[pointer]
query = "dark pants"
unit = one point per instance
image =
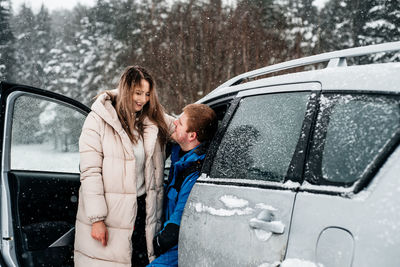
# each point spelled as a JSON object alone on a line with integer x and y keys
{"x": 139, "y": 248}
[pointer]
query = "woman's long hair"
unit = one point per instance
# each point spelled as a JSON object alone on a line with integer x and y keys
{"x": 130, "y": 119}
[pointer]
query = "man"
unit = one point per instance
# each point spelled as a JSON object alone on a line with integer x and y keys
{"x": 194, "y": 129}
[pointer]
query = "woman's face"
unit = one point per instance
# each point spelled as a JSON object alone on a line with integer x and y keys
{"x": 141, "y": 95}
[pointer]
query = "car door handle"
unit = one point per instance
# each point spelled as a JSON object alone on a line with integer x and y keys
{"x": 265, "y": 221}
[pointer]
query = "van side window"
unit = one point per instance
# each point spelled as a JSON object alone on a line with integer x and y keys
{"x": 261, "y": 138}
{"x": 351, "y": 131}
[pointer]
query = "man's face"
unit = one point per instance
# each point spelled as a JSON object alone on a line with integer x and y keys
{"x": 180, "y": 135}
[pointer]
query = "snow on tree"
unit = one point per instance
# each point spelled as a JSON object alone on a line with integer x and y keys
{"x": 6, "y": 42}
{"x": 335, "y": 26}
{"x": 342, "y": 24}
{"x": 44, "y": 42}
{"x": 26, "y": 54}
{"x": 300, "y": 33}
{"x": 382, "y": 25}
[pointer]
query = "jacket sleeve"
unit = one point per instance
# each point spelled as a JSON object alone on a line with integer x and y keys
{"x": 166, "y": 239}
{"x": 183, "y": 196}
{"x": 169, "y": 120}
{"x": 169, "y": 235}
{"x": 91, "y": 161}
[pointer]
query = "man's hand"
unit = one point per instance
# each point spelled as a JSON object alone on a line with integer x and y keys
{"x": 99, "y": 232}
{"x": 166, "y": 239}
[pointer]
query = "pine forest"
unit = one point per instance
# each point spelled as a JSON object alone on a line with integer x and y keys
{"x": 190, "y": 47}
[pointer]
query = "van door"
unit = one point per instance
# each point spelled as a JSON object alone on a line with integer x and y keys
{"x": 347, "y": 213}
{"x": 239, "y": 211}
{"x": 39, "y": 175}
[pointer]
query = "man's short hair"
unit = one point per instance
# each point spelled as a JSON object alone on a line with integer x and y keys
{"x": 202, "y": 120}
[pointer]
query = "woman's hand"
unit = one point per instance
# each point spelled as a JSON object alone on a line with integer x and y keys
{"x": 99, "y": 232}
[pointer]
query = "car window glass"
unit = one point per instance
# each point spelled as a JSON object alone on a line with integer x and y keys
{"x": 351, "y": 131}
{"x": 45, "y": 135}
{"x": 261, "y": 138}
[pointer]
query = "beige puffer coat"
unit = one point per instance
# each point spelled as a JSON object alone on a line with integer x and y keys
{"x": 108, "y": 187}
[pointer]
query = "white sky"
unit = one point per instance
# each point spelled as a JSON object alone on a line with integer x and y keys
{"x": 50, "y": 4}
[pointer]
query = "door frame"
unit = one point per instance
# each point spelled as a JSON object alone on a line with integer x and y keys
{"x": 9, "y": 93}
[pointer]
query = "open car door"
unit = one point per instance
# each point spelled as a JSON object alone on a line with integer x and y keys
{"x": 39, "y": 175}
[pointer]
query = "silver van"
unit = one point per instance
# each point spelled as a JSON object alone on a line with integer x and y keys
{"x": 304, "y": 170}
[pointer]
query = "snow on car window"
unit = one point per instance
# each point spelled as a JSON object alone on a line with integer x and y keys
{"x": 45, "y": 136}
{"x": 351, "y": 132}
{"x": 261, "y": 138}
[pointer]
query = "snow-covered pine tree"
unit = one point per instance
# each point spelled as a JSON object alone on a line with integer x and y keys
{"x": 335, "y": 27}
{"x": 265, "y": 28}
{"x": 6, "y": 42}
{"x": 24, "y": 28}
{"x": 43, "y": 43}
{"x": 382, "y": 25}
{"x": 127, "y": 30}
{"x": 342, "y": 23}
{"x": 301, "y": 32}
{"x": 99, "y": 50}
{"x": 67, "y": 57}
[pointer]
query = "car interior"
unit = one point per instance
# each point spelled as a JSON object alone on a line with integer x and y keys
{"x": 44, "y": 207}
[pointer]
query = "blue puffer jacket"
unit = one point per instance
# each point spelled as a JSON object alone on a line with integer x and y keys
{"x": 183, "y": 174}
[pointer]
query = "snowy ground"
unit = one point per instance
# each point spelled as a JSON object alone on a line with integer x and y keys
{"x": 42, "y": 157}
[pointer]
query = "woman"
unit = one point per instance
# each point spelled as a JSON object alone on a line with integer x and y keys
{"x": 122, "y": 164}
